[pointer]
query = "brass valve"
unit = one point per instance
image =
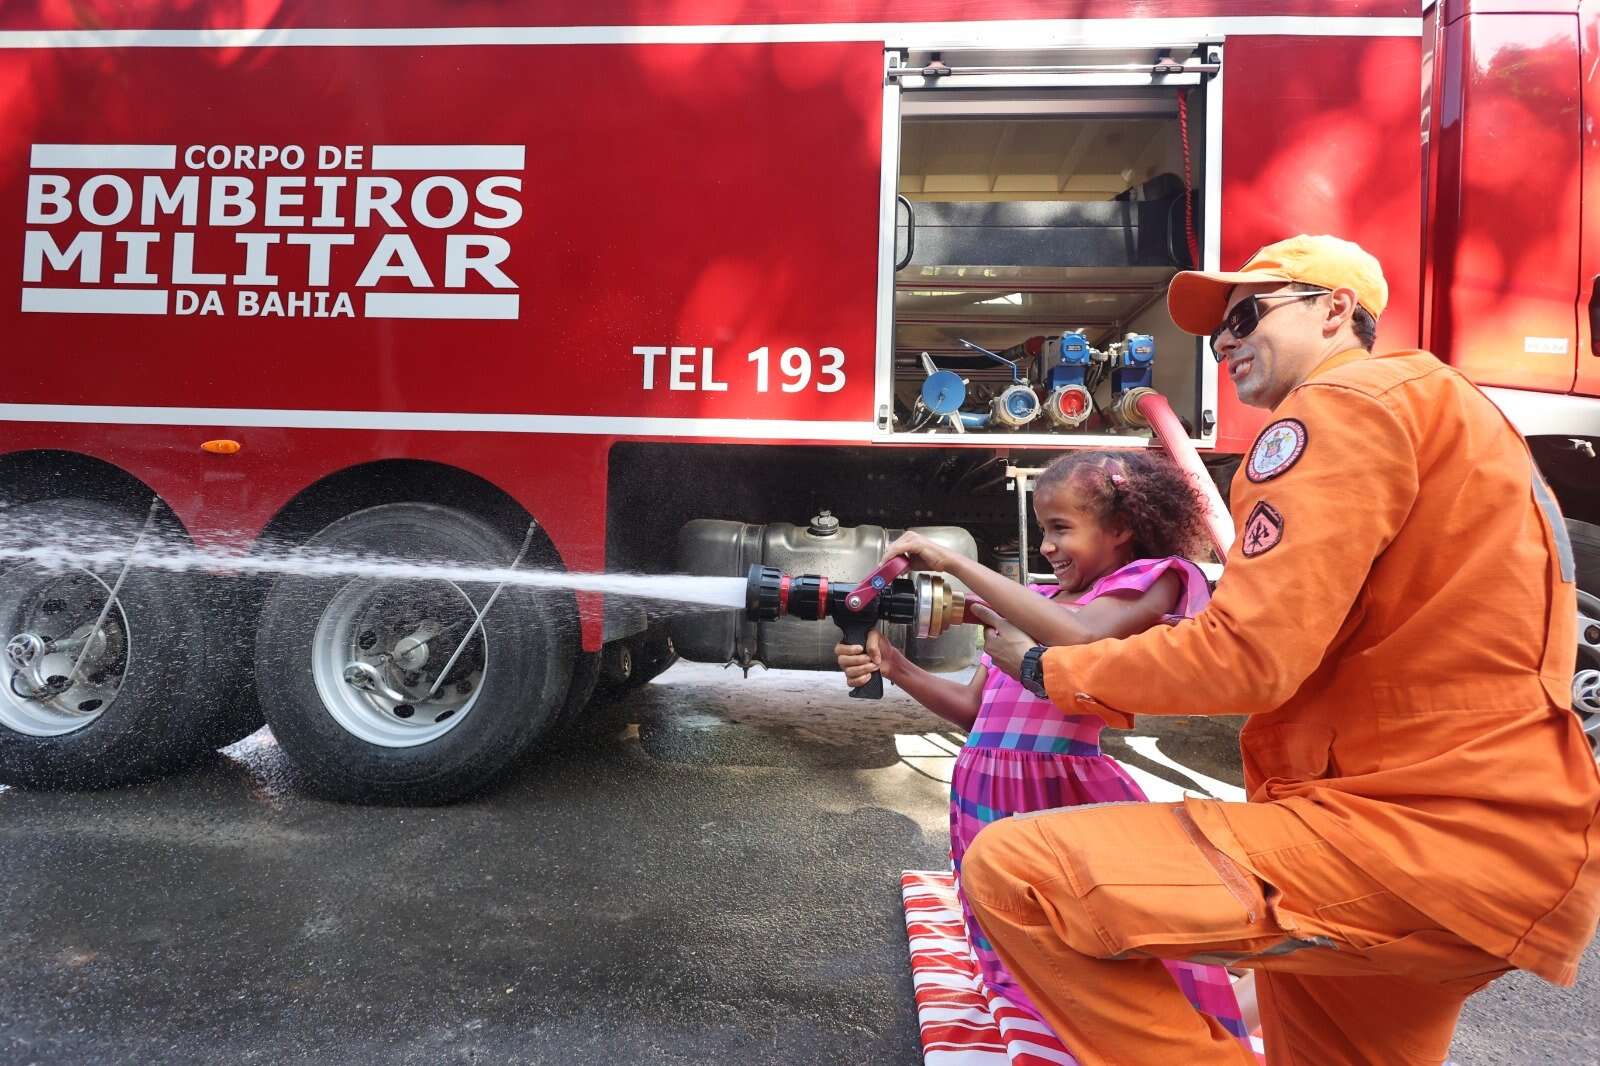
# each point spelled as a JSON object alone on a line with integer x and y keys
{"x": 939, "y": 606}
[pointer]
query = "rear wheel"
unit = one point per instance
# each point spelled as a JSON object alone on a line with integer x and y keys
{"x": 380, "y": 689}
{"x": 233, "y": 606}
{"x": 92, "y": 697}
{"x": 618, "y": 669}
{"x": 573, "y": 721}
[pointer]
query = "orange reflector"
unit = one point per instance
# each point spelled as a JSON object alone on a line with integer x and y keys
{"x": 221, "y": 447}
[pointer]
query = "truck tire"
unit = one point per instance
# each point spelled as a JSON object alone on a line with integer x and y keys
{"x": 572, "y": 720}
{"x": 237, "y": 713}
{"x": 344, "y": 663}
{"x": 612, "y": 675}
{"x": 234, "y": 603}
{"x": 136, "y": 705}
{"x": 1586, "y": 677}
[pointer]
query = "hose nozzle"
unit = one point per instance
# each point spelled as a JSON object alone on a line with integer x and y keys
{"x": 926, "y": 602}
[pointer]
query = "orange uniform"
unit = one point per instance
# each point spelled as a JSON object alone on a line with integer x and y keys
{"x": 1397, "y": 619}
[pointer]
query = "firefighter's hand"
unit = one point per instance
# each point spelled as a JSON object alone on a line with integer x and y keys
{"x": 924, "y": 553}
{"x": 1003, "y": 643}
{"x": 859, "y": 664}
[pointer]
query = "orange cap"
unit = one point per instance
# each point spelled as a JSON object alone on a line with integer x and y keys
{"x": 1197, "y": 299}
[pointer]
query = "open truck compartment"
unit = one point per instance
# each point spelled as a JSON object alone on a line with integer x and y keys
{"x": 1036, "y": 231}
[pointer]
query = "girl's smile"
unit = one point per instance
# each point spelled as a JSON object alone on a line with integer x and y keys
{"x": 1078, "y": 547}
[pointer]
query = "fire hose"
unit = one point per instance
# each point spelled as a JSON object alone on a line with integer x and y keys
{"x": 1148, "y": 407}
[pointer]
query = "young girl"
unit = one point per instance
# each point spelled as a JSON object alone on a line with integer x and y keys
{"x": 1116, "y": 527}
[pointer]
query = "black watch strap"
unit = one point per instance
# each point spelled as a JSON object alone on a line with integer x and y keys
{"x": 1033, "y": 671}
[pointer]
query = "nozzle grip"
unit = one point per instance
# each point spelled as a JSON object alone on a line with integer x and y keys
{"x": 855, "y": 632}
{"x": 872, "y": 690}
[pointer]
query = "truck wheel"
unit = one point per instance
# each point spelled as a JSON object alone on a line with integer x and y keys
{"x": 237, "y": 713}
{"x": 1586, "y": 677}
{"x": 571, "y": 722}
{"x": 612, "y": 674}
{"x": 235, "y": 607}
{"x": 345, "y": 664}
{"x": 131, "y": 709}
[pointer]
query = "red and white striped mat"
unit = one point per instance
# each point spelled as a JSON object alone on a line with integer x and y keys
{"x": 962, "y": 1022}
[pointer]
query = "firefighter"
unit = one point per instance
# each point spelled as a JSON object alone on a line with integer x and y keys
{"x": 1396, "y": 619}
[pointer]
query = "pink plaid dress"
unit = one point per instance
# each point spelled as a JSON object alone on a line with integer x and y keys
{"x": 1023, "y": 754}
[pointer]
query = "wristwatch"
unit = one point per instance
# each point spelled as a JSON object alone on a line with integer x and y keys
{"x": 1031, "y": 673}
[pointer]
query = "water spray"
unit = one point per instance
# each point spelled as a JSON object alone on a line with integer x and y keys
{"x": 74, "y": 547}
{"x": 927, "y": 602}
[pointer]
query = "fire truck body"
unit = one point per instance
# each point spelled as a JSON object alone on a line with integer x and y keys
{"x": 647, "y": 286}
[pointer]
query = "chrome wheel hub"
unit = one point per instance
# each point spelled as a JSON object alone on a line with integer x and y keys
{"x": 378, "y": 650}
{"x": 60, "y": 672}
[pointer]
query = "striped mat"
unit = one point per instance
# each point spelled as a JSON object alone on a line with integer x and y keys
{"x": 962, "y": 1022}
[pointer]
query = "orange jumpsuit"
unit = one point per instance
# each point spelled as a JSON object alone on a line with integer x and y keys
{"x": 1397, "y": 619}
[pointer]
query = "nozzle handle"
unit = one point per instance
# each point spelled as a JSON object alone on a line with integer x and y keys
{"x": 872, "y": 690}
{"x": 868, "y": 588}
{"x": 855, "y": 632}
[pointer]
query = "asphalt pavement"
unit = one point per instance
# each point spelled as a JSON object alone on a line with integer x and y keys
{"x": 717, "y": 884}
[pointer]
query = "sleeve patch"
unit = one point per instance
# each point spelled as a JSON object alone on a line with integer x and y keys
{"x": 1277, "y": 449}
{"x": 1262, "y": 530}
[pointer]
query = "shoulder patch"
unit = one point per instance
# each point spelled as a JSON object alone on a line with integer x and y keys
{"x": 1262, "y": 530}
{"x": 1277, "y": 449}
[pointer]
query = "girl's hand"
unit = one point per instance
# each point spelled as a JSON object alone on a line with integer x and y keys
{"x": 859, "y": 664}
{"x": 924, "y": 553}
{"x": 1003, "y": 643}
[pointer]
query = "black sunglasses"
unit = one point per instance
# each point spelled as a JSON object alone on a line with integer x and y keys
{"x": 1243, "y": 318}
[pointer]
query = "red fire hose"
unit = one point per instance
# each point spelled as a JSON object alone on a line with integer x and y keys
{"x": 1155, "y": 410}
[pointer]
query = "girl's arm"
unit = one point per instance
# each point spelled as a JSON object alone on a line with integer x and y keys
{"x": 1023, "y": 607}
{"x": 954, "y": 701}
{"x": 1052, "y": 624}
{"x": 1048, "y": 622}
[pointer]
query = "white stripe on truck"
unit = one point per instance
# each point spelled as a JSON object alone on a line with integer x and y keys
{"x": 104, "y": 156}
{"x": 465, "y": 422}
{"x": 96, "y": 301}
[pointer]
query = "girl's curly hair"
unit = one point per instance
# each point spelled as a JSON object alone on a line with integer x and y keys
{"x": 1140, "y": 491}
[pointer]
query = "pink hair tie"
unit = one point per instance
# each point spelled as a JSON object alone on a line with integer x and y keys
{"x": 1118, "y": 479}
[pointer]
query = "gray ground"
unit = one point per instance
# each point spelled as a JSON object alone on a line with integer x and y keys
{"x": 719, "y": 884}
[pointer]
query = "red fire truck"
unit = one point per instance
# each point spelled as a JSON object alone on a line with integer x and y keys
{"x": 660, "y": 286}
